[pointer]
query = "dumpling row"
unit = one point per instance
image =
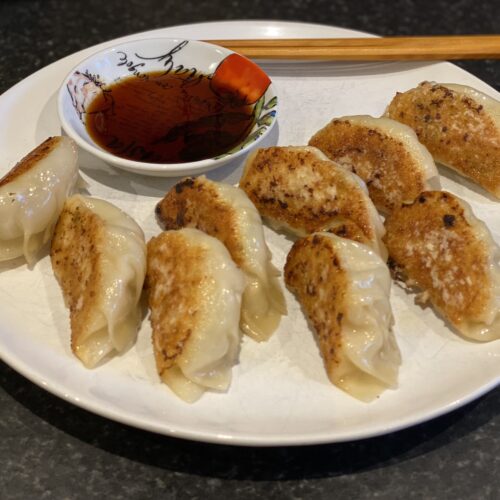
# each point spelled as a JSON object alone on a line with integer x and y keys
{"x": 226, "y": 213}
{"x": 456, "y": 124}
{"x": 434, "y": 241}
{"x": 217, "y": 263}
{"x": 209, "y": 274}
{"x": 98, "y": 254}
{"x": 337, "y": 269}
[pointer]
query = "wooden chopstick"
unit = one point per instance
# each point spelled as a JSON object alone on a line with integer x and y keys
{"x": 369, "y": 49}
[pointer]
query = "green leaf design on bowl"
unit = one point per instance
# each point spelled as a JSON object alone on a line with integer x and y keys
{"x": 271, "y": 103}
{"x": 267, "y": 119}
{"x": 262, "y": 121}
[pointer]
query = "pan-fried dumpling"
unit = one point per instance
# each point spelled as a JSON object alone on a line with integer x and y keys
{"x": 32, "y": 195}
{"x": 98, "y": 255}
{"x": 195, "y": 291}
{"x": 384, "y": 153}
{"x": 225, "y": 212}
{"x": 343, "y": 287}
{"x": 459, "y": 125}
{"x": 437, "y": 245}
{"x": 297, "y": 188}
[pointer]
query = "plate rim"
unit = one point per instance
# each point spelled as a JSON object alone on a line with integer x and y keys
{"x": 248, "y": 440}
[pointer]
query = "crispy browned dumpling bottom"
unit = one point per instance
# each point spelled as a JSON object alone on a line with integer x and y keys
{"x": 457, "y": 130}
{"x": 176, "y": 279}
{"x": 31, "y": 159}
{"x": 298, "y": 189}
{"x": 391, "y": 173}
{"x": 314, "y": 272}
{"x": 76, "y": 256}
{"x": 433, "y": 245}
{"x": 195, "y": 202}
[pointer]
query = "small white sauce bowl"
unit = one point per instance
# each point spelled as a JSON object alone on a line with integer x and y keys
{"x": 106, "y": 67}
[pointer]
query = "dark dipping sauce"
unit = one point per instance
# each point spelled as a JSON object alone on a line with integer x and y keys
{"x": 160, "y": 117}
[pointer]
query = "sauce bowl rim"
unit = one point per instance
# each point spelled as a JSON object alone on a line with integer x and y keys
{"x": 148, "y": 168}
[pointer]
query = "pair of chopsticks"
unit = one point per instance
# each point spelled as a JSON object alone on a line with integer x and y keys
{"x": 369, "y": 49}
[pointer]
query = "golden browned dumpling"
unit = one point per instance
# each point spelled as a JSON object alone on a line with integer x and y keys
{"x": 194, "y": 293}
{"x": 300, "y": 190}
{"x": 459, "y": 125}
{"x": 98, "y": 255}
{"x": 384, "y": 153}
{"x": 343, "y": 287}
{"x": 437, "y": 245}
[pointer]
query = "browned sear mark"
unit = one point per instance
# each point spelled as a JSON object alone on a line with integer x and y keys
{"x": 31, "y": 159}
{"x": 432, "y": 245}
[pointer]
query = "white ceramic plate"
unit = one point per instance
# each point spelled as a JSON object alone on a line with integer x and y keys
{"x": 280, "y": 393}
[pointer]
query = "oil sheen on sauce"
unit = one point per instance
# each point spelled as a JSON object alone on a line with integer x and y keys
{"x": 167, "y": 118}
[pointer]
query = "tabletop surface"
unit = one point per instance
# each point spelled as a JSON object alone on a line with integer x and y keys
{"x": 51, "y": 449}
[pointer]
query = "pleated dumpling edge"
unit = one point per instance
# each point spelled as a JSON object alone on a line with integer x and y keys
{"x": 98, "y": 255}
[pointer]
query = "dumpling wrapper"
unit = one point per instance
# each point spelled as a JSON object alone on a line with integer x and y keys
{"x": 32, "y": 195}
{"x": 436, "y": 244}
{"x": 343, "y": 287}
{"x": 195, "y": 291}
{"x": 98, "y": 255}
{"x": 458, "y": 124}
{"x": 386, "y": 154}
{"x": 225, "y": 212}
{"x": 300, "y": 190}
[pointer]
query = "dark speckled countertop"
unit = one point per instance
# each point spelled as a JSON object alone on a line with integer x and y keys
{"x": 50, "y": 449}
